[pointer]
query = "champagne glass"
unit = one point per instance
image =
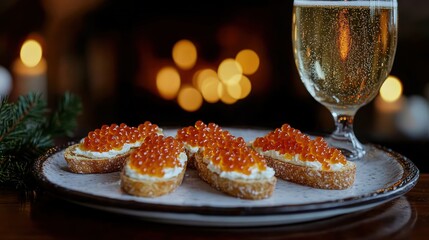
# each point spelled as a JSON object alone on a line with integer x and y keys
{"x": 344, "y": 50}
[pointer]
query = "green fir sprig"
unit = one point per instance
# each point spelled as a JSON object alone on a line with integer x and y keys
{"x": 28, "y": 128}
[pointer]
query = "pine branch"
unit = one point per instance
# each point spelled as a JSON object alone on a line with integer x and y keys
{"x": 21, "y": 120}
{"x": 14, "y": 173}
{"x": 63, "y": 121}
{"x": 28, "y": 129}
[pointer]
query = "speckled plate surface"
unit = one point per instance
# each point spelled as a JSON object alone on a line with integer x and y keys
{"x": 382, "y": 176}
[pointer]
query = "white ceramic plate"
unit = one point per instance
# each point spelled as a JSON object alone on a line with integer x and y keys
{"x": 382, "y": 176}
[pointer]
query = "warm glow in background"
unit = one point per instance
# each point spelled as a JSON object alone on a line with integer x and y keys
{"x": 391, "y": 90}
{"x": 31, "y": 53}
{"x": 226, "y": 82}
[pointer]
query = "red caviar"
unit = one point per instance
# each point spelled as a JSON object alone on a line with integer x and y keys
{"x": 289, "y": 142}
{"x": 114, "y": 137}
{"x": 155, "y": 154}
{"x": 227, "y": 152}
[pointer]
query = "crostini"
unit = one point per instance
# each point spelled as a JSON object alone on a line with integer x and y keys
{"x": 226, "y": 163}
{"x": 105, "y": 150}
{"x": 156, "y": 168}
{"x": 298, "y": 158}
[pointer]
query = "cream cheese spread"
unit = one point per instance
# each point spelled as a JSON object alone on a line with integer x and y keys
{"x": 111, "y": 153}
{"x": 295, "y": 160}
{"x": 191, "y": 149}
{"x": 254, "y": 175}
{"x": 168, "y": 172}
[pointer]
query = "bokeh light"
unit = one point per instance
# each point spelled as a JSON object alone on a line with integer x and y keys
{"x": 168, "y": 82}
{"x": 5, "y": 82}
{"x": 224, "y": 95}
{"x": 230, "y": 71}
{"x": 201, "y": 75}
{"x": 391, "y": 90}
{"x": 184, "y": 54}
{"x": 246, "y": 87}
{"x": 31, "y": 53}
{"x": 234, "y": 90}
{"x": 189, "y": 98}
{"x": 249, "y": 60}
{"x": 228, "y": 83}
{"x": 209, "y": 89}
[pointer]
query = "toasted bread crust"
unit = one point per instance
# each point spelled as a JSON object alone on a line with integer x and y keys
{"x": 83, "y": 164}
{"x": 147, "y": 188}
{"x": 191, "y": 159}
{"x": 246, "y": 189}
{"x": 312, "y": 177}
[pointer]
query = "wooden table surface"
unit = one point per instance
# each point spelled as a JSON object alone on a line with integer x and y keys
{"x": 39, "y": 215}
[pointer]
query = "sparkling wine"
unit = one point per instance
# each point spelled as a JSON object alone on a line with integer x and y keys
{"x": 344, "y": 50}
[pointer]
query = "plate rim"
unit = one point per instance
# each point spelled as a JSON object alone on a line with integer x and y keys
{"x": 407, "y": 181}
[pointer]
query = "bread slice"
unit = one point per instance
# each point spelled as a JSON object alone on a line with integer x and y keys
{"x": 191, "y": 158}
{"x": 150, "y": 188}
{"x": 297, "y": 158}
{"x": 315, "y": 178}
{"x": 252, "y": 189}
{"x": 156, "y": 168}
{"x": 83, "y": 164}
{"x": 100, "y": 144}
{"x": 189, "y": 136}
{"x": 226, "y": 163}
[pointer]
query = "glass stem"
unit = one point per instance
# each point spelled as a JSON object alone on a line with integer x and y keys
{"x": 344, "y": 138}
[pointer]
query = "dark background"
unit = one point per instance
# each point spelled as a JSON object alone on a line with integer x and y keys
{"x": 121, "y": 42}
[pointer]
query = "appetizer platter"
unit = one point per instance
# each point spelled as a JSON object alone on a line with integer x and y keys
{"x": 207, "y": 175}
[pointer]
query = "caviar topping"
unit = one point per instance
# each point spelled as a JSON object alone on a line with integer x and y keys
{"x": 156, "y": 154}
{"x": 225, "y": 151}
{"x": 114, "y": 137}
{"x": 289, "y": 142}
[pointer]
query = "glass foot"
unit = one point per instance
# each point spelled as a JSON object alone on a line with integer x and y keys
{"x": 351, "y": 148}
{"x": 344, "y": 138}
{"x": 352, "y": 156}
